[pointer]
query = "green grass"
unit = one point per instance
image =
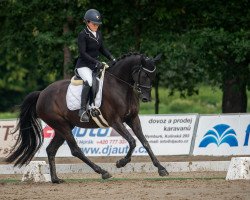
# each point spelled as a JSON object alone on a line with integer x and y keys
{"x": 8, "y": 115}
{"x": 208, "y": 101}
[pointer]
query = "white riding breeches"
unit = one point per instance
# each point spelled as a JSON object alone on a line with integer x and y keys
{"x": 86, "y": 74}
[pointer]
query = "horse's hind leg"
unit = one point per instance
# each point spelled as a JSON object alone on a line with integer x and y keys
{"x": 52, "y": 148}
{"x": 121, "y": 129}
{"x": 136, "y": 127}
{"x": 64, "y": 129}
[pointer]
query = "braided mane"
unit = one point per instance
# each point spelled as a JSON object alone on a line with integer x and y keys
{"x": 125, "y": 56}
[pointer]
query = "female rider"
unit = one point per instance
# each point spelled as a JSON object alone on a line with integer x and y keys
{"x": 90, "y": 45}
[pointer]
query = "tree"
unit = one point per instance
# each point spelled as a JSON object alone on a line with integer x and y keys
{"x": 38, "y": 39}
{"x": 201, "y": 41}
{"x": 226, "y": 60}
{"x": 205, "y": 41}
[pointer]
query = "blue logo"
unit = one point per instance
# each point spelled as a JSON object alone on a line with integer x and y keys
{"x": 221, "y": 133}
{"x": 82, "y": 132}
{"x": 247, "y": 135}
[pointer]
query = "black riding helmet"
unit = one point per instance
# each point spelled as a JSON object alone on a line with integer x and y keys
{"x": 94, "y": 16}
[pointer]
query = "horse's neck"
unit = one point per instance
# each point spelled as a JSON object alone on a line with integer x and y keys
{"x": 123, "y": 68}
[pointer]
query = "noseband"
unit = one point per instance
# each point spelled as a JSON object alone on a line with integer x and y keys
{"x": 149, "y": 74}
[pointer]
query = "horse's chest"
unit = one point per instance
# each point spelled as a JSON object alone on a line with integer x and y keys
{"x": 132, "y": 110}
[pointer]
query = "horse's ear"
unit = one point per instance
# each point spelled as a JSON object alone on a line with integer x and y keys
{"x": 157, "y": 58}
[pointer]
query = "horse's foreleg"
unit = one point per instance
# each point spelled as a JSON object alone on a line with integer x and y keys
{"x": 52, "y": 148}
{"x": 121, "y": 129}
{"x": 135, "y": 124}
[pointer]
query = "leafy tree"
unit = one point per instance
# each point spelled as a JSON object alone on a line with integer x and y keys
{"x": 38, "y": 40}
{"x": 205, "y": 41}
{"x": 201, "y": 41}
{"x": 225, "y": 59}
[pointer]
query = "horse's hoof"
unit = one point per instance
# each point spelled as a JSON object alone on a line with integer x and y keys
{"x": 57, "y": 181}
{"x": 106, "y": 175}
{"x": 163, "y": 172}
{"x": 122, "y": 162}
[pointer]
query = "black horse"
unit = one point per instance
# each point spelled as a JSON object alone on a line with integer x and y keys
{"x": 131, "y": 75}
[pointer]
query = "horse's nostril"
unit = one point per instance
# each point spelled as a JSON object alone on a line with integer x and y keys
{"x": 144, "y": 100}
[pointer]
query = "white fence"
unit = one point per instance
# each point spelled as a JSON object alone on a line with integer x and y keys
{"x": 185, "y": 134}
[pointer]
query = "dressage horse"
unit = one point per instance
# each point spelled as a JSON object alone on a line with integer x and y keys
{"x": 124, "y": 82}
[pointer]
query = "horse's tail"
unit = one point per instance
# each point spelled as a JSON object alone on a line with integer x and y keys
{"x": 30, "y": 136}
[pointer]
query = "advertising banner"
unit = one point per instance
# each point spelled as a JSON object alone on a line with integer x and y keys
{"x": 7, "y": 139}
{"x": 222, "y": 135}
{"x": 166, "y": 134}
{"x": 169, "y": 134}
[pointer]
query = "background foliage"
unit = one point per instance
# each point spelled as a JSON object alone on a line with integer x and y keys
{"x": 202, "y": 41}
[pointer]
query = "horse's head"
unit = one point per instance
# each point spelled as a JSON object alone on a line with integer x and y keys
{"x": 144, "y": 76}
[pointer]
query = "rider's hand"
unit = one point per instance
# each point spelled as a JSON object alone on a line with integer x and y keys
{"x": 99, "y": 65}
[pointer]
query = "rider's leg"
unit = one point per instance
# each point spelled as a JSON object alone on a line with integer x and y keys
{"x": 86, "y": 74}
{"x": 84, "y": 100}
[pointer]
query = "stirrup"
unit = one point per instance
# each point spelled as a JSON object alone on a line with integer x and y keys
{"x": 84, "y": 117}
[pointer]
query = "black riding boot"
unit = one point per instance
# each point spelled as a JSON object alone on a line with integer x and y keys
{"x": 84, "y": 117}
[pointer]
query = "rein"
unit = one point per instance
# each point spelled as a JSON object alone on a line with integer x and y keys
{"x": 120, "y": 79}
{"x": 138, "y": 85}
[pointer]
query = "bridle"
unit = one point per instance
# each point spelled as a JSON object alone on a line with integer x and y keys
{"x": 137, "y": 86}
{"x": 149, "y": 74}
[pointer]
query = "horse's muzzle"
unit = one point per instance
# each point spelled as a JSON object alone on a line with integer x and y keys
{"x": 145, "y": 100}
{"x": 145, "y": 96}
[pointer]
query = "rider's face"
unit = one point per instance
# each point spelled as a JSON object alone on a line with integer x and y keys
{"x": 92, "y": 26}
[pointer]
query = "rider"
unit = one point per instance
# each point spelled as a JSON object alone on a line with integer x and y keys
{"x": 90, "y": 45}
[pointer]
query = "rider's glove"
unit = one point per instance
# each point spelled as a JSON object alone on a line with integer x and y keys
{"x": 99, "y": 65}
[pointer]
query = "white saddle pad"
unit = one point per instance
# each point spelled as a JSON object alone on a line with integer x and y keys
{"x": 73, "y": 96}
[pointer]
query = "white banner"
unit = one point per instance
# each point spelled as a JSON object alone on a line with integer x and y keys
{"x": 7, "y": 140}
{"x": 166, "y": 134}
{"x": 222, "y": 135}
{"x": 169, "y": 134}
